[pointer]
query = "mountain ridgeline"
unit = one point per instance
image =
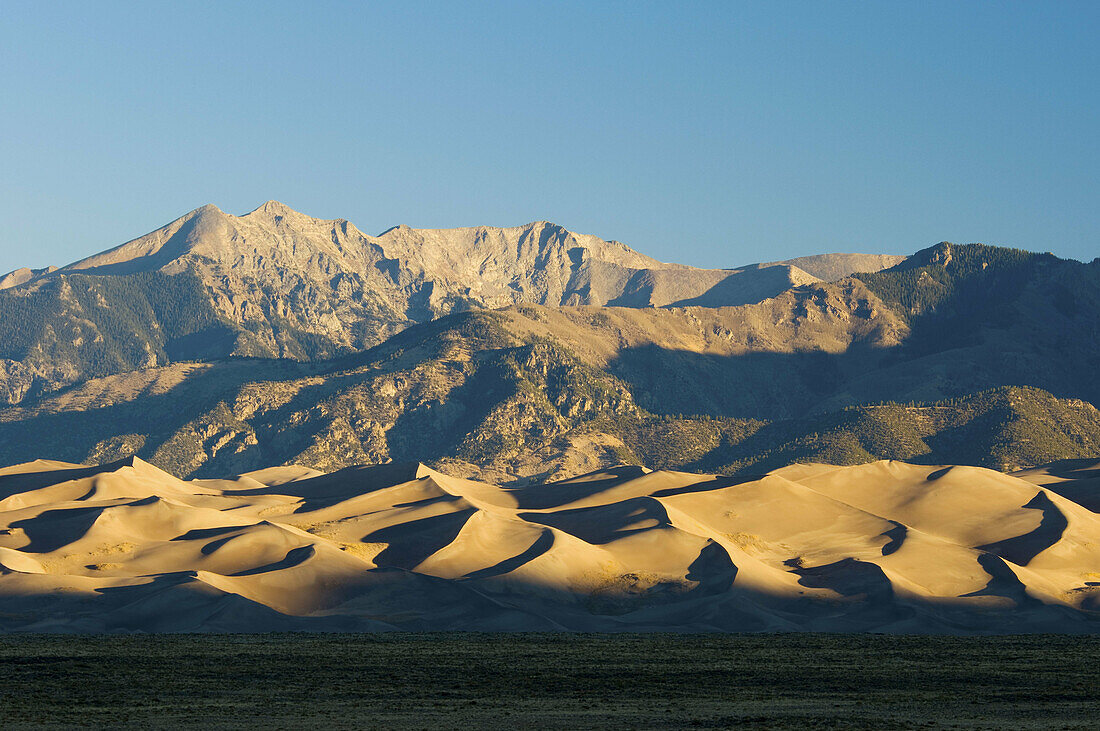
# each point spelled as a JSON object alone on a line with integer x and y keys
{"x": 279, "y": 284}
{"x": 221, "y": 345}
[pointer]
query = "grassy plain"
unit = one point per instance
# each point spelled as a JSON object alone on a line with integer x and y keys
{"x": 550, "y": 681}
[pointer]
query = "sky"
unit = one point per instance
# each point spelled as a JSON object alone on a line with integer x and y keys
{"x": 712, "y": 134}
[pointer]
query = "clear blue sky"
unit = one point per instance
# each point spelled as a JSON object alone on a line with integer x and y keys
{"x": 712, "y": 134}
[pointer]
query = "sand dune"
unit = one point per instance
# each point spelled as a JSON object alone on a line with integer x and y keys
{"x": 887, "y": 547}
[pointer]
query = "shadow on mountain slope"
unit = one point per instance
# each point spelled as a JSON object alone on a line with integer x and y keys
{"x": 959, "y": 389}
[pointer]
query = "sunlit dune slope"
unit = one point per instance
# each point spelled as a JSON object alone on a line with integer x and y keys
{"x": 887, "y": 547}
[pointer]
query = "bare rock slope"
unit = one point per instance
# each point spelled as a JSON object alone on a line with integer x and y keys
{"x": 23, "y": 275}
{"x": 328, "y": 278}
{"x": 886, "y": 546}
{"x": 834, "y": 267}
{"x": 278, "y": 283}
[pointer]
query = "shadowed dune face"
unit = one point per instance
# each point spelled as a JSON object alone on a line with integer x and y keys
{"x": 886, "y": 546}
{"x": 1075, "y": 479}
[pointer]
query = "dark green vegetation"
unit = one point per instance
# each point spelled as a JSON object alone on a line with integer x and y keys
{"x": 961, "y": 278}
{"x": 100, "y": 325}
{"x": 104, "y": 325}
{"x": 989, "y": 316}
{"x": 79, "y": 326}
{"x": 1004, "y": 428}
{"x": 550, "y": 681}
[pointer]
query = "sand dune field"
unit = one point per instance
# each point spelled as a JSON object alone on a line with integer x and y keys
{"x": 885, "y": 547}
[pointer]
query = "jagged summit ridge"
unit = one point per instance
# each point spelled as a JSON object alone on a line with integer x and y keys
{"x": 274, "y": 208}
{"x": 327, "y": 279}
{"x": 210, "y": 232}
{"x": 214, "y": 234}
{"x": 23, "y": 275}
{"x": 275, "y": 282}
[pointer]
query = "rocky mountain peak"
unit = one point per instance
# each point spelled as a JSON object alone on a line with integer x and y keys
{"x": 941, "y": 254}
{"x": 206, "y": 210}
{"x": 279, "y": 283}
{"x": 273, "y": 209}
{"x": 23, "y": 275}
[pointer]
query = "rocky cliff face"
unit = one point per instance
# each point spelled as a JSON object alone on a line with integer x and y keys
{"x": 275, "y": 268}
{"x": 22, "y": 276}
{"x": 278, "y": 283}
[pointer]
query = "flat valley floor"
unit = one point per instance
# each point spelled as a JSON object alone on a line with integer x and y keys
{"x": 549, "y": 681}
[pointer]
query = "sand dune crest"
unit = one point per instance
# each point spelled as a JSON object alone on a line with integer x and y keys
{"x": 885, "y": 546}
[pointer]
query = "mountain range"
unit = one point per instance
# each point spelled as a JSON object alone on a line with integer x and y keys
{"x": 275, "y": 283}
{"x": 224, "y": 344}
